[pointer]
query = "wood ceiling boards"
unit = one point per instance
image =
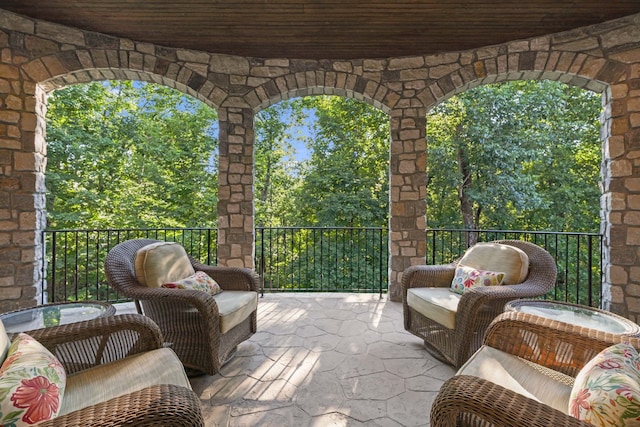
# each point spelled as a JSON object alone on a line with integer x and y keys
{"x": 324, "y": 29}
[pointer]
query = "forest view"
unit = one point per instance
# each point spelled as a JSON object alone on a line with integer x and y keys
{"x": 517, "y": 155}
{"x": 522, "y": 155}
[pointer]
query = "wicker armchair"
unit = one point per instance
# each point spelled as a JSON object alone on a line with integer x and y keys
{"x": 477, "y": 306}
{"x": 108, "y": 343}
{"x": 190, "y": 320}
{"x": 554, "y": 349}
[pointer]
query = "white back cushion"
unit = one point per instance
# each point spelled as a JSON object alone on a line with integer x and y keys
{"x": 160, "y": 263}
{"x": 498, "y": 257}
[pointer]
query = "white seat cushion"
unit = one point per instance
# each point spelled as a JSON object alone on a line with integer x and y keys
{"x": 124, "y": 376}
{"x": 437, "y": 304}
{"x": 524, "y": 378}
{"x": 512, "y": 261}
{"x": 234, "y": 307}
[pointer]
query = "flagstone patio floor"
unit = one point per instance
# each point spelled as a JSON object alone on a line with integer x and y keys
{"x": 325, "y": 360}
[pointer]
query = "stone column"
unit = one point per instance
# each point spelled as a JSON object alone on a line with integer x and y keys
{"x": 22, "y": 190}
{"x": 235, "y": 188}
{"x": 621, "y": 200}
{"x": 407, "y": 221}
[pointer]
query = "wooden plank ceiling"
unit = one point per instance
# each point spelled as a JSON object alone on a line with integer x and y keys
{"x": 324, "y": 29}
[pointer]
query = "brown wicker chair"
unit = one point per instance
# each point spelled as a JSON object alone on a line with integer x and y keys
{"x": 84, "y": 345}
{"x": 477, "y": 307}
{"x": 189, "y": 319}
{"x": 561, "y": 351}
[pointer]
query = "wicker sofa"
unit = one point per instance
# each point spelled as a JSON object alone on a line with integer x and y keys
{"x": 116, "y": 370}
{"x": 522, "y": 375}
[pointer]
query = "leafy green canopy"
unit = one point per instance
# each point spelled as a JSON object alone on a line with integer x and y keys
{"x": 124, "y": 154}
{"x": 523, "y": 155}
{"x": 344, "y": 179}
{"x": 519, "y": 155}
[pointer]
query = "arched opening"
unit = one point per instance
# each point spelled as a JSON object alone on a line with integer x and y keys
{"x": 521, "y": 160}
{"x": 126, "y": 159}
{"x": 322, "y": 200}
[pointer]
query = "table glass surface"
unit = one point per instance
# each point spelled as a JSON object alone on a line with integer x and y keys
{"x": 577, "y": 315}
{"x": 51, "y": 315}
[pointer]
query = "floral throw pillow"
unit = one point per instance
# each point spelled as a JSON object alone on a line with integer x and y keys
{"x": 606, "y": 391}
{"x": 32, "y": 383}
{"x": 200, "y": 281}
{"x": 469, "y": 277}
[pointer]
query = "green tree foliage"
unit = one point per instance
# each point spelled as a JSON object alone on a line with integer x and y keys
{"x": 276, "y": 170}
{"x": 521, "y": 155}
{"x": 130, "y": 155}
{"x": 345, "y": 182}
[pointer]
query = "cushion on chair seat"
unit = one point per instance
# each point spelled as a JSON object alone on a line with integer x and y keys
{"x": 437, "y": 304}
{"x": 515, "y": 374}
{"x": 234, "y": 307}
{"x": 160, "y": 263}
{"x": 123, "y": 376}
{"x": 512, "y": 261}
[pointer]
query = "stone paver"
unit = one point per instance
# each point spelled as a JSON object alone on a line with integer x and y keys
{"x": 325, "y": 360}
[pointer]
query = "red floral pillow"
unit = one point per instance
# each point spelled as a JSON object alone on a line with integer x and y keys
{"x": 606, "y": 391}
{"x": 32, "y": 383}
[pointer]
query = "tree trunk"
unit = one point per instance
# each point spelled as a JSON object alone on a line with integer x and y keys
{"x": 466, "y": 206}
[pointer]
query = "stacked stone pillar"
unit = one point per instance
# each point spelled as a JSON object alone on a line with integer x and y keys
{"x": 235, "y": 188}
{"x": 407, "y": 168}
{"x": 621, "y": 196}
{"x": 22, "y": 190}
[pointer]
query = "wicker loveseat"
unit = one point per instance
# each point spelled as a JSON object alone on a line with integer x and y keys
{"x": 523, "y": 375}
{"x": 451, "y": 325}
{"x": 114, "y": 372}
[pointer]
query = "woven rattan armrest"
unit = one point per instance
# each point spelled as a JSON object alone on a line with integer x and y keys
{"x": 428, "y": 276}
{"x": 160, "y": 405}
{"x": 82, "y": 345}
{"x": 468, "y": 400}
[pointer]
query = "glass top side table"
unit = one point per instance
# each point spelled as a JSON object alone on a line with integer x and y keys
{"x": 48, "y": 315}
{"x": 574, "y": 314}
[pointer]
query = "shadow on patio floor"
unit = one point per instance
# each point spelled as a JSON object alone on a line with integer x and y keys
{"x": 325, "y": 360}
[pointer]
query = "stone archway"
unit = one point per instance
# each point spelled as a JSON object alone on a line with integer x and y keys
{"x": 25, "y": 85}
{"x": 599, "y": 73}
{"x": 407, "y": 153}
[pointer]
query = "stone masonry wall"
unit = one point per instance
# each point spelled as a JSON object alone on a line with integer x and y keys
{"x": 37, "y": 57}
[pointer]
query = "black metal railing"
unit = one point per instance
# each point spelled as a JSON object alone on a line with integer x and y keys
{"x": 74, "y": 259}
{"x": 311, "y": 259}
{"x": 322, "y": 259}
{"x": 578, "y": 257}
{"x": 289, "y": 259}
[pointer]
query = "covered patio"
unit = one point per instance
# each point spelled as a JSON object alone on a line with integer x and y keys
{"x": 318, "y": 359}
{"x": 323, "y": 359}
